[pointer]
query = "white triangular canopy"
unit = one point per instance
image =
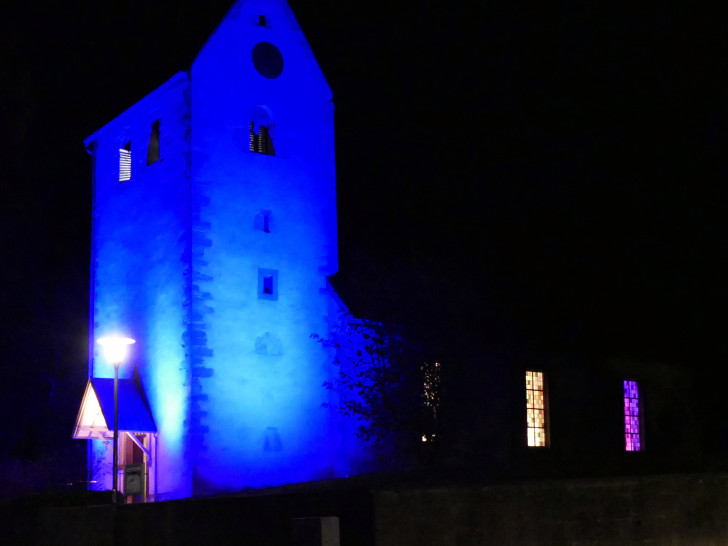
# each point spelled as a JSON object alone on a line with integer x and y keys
{"x": 90, "y": 422}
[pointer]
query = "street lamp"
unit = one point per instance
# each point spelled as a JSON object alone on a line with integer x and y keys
{"x": 115, "y": 350}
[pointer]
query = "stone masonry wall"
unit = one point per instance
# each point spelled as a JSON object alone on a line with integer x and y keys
{"x": 662, "y": 510}
{"x": 678, "y": 509}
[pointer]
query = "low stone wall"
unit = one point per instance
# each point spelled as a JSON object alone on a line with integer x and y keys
{"x": 660, "y": 510}
{"x": 254, "y": 519}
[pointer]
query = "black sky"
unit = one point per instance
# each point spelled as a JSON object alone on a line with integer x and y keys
{"x": 550, "y": 175}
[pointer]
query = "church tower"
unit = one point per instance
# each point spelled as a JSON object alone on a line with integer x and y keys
{"x": 263, "y": 243}
{"x": 214, "y": 232}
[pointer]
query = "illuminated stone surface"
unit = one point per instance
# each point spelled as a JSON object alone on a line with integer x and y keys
{"x": 186, "y": 259}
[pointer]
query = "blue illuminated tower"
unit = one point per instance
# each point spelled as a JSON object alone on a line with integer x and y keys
{"x": 214, "y": 231}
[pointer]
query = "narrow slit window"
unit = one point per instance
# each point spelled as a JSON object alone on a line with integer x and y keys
{"x": 267, "y": 284}
{"x": 153, "y": 148}
{"x": 261, "y": 141}
{"x": 263, "y": 221}
{"x": 632, "y": 416}
{"x": 125, "y": 162}
{"x": 261, "y": 20}
{"x": 535, "y": 409}
{"x": 431, "y": 379}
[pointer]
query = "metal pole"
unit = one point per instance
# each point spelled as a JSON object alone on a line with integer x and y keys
{"x": 116, "y": 432}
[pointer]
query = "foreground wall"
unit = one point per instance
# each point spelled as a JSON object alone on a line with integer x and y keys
{"x": 680, "y": 509}
{"x": 677, "y": 509}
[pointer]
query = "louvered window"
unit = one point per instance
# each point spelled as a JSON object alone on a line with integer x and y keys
{"x": 261, "y": 141}
{"x": 125, "y": 162}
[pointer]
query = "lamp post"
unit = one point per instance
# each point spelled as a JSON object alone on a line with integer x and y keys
{"x": 115, "y": 350}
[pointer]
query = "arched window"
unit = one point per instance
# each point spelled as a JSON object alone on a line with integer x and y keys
{"x": 260, "y": 140}
{"x": 261, "y": 131}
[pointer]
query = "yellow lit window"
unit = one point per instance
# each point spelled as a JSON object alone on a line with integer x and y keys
{"x": 535, "y": 409}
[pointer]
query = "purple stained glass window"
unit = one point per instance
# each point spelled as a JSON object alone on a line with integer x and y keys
{"x": 631, "y": 417}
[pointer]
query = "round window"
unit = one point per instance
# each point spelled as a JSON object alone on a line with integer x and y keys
{"x": 267, "y": 60}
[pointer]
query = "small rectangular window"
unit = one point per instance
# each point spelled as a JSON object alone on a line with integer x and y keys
{"x": 535, "y": 409}
{"x": 267, "y": 284}
{"x": 632, "y": 416}
{"x": 125, "y": 162}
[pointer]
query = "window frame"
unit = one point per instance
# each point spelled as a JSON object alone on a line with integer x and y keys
{"x": 261, "y": 140}
{"x": 125, "y": 160}
{"x": 640, "y": 434}
{"x": 545, "y": 409}
{"x": 263, "y": 274}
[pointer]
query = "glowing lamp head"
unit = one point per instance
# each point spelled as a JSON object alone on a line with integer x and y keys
{"x": 115, "y": 348}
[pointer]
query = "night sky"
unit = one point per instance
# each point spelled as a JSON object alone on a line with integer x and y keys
{"x": 551, "y": 177}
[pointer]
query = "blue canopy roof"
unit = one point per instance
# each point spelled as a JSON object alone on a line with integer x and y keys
{"x": 134, "y": 413}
